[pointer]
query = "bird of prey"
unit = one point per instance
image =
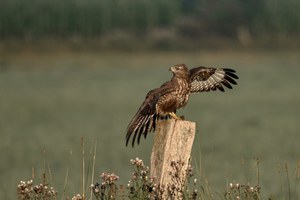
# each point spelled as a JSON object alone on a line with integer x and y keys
{"x": 162, "y": 102}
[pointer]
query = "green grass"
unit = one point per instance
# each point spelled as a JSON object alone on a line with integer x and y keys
{"x": 50, "y": 101}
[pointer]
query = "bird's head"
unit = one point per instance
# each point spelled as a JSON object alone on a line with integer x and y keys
{"x": 180, "y": 70}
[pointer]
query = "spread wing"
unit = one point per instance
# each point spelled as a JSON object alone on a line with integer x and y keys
{"x": 206, "y": 79}
{"x": 144, "y": 120}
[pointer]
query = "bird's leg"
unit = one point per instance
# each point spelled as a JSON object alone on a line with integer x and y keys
{"x": 172, "y": 114}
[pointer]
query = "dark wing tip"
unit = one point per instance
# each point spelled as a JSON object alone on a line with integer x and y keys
{"x": 127, "y": 140}
{"x": 225, "y": 82}
{"x": 133, "y": 139}
{"x": 229, "y": 70}
{"x": 131, "y": 129}
{"x": 231, "y": 73}
{"x": 229, "y": 79}
{"x": 131, "y": 132}
{"x": 219, "y": 86}
{"x": 128, "y": 135}
{"x": 141, "y": 125}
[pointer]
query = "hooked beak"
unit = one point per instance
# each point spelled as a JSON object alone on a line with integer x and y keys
{"x": 171, "y": 69}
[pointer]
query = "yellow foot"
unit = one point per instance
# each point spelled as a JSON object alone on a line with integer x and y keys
{"x": 172, "y": 114}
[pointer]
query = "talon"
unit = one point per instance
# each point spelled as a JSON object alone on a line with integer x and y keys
{"x": 172, "y": 114}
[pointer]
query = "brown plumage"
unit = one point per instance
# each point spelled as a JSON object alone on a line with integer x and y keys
{"x": 163, "y": 102}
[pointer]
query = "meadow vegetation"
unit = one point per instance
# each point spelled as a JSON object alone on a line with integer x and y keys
{"x": 50, "y": 101}
{"x": 73, "y": 69}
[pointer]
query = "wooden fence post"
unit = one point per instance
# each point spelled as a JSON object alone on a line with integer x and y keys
{"x": 173, "y": 141}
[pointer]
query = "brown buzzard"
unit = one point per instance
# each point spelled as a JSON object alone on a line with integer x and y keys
{"x": 162, "y": 102}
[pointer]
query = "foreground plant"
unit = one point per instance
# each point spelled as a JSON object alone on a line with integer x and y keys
{"x": 107, "y": 189}
{"x": 141, "y": 185}
{"x": 242, "y": 192}
{"x": 27, "y": 191}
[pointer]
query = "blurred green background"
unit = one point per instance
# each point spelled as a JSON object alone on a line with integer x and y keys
{"x": 72, "y": 69}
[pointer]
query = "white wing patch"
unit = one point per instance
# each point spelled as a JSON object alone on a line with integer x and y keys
{"x": 215, "y": 81}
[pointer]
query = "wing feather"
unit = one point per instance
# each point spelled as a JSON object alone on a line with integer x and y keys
{"x": 206, "y": 79}
{"x": 138, "y": 125}
{"x": 229, "y": 79}
{"x": 144, "y": 120}
{"x": 225, "y": 82}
